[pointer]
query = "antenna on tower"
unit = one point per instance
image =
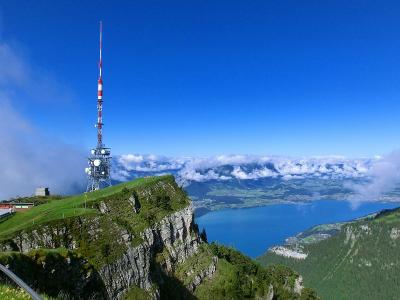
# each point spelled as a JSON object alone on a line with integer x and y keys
{"x": 101, "y": 37}
{"x": 99, "y": 124}
{"x": 98, "y": 171}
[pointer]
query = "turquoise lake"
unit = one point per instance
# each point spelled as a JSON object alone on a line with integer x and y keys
{"x": 254, "y": 230}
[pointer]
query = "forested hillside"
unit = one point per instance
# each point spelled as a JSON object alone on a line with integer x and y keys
{"x": 361, "y": 261}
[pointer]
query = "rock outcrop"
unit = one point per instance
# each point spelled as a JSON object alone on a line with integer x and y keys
{"x": 174, "y": 235}
{"x": 203, "y": 274}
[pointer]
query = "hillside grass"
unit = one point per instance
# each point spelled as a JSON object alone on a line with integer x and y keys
{"x": 191, "y": 267}
{"x": 55, "y": 272}
{"x": 236, "y": 277}
{"x": 361, "y": 262}
{"x": 239, "y": 277}
{"x": 13, "y": 293}
{"x": 68, "y": 207}
{"x": 101, "y": 224}
{"x": 388, "y": 216}
{"x": 136, "y": 293}
{"x": 10, "y": 292}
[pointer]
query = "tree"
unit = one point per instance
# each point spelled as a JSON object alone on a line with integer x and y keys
{"x": 203, "y": 235}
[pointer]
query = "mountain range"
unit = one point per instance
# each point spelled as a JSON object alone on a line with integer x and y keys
{"x": 245, "y": 181}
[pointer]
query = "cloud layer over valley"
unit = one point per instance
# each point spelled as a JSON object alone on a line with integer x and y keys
{"x": 356, "y": 180}
{"x": 241, "y": 167}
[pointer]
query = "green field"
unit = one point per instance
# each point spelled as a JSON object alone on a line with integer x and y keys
{"x": 13, "y": 293}
{"x": 214, "y": 195}
{"x": 73, "y": 206}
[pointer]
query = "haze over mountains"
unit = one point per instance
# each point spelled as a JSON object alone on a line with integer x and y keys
{"x": 242, "y": 167}
{"x": 245, "y": 180}
{"x": 241, "y": 180}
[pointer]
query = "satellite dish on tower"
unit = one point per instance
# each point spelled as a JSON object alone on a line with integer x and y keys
{"x": 97, "y": 162}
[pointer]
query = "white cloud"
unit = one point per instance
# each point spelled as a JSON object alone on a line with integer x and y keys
{"x": 255, "y": 174}
{"x": 29, "y": 159}
{"x": 147, "y": 163}
{"x": 130, "y": 159}
{"x": 384, "y": 175}
{"x": 190, "y": 174}
{"x": 245, "y": 167}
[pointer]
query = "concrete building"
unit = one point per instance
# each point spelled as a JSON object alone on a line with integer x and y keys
{"x": 42, "y": 191}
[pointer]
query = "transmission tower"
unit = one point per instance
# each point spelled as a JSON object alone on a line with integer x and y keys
{"x": 99, "y": 162}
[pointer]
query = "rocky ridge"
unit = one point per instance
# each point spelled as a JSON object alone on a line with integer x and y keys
{"x": 174, "y": 235}
{"x": 132, "y": 241}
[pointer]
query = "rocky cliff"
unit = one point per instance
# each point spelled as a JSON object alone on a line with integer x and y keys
{"x": 173, "y": 236}
{"x": 135, "y": 241}
{"x": 127, "y": 254}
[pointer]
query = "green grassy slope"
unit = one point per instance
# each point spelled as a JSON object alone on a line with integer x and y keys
{"x": 80, "y": 216}
{"x": 51, "y": 271}
{"x": 236, "y": 277}
{"x": 362, "y": 261}
{"x": 13, "y": 293}
{"x": 96, "y": 235}
{"x": 73, "y": 206}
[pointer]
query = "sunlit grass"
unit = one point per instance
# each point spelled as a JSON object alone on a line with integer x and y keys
{"x": 69, "y": 207}
{"x": 11, "y": 293}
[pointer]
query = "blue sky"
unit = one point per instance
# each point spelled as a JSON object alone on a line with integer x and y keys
{"x": 211, "y": 77}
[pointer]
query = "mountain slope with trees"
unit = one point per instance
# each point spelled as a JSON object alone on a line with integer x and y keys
{"x": 360, "y": 261}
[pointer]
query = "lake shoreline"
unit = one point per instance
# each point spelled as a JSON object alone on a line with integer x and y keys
{"x": 201, "y": 210}
{"x": 253, "y": 230}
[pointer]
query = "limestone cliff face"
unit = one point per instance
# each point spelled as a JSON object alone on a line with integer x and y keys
{"x": 47, "y": 236}
{"x": 136, "y": 236}
{"x": 174, "y": 236}
{"x": 206, "y": 273}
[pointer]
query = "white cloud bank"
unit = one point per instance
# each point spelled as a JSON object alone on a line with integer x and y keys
{"x": 380, "y": 175}
{"x": 29, "y": 159}
{"x": 384, "y": 177}
{"x": 243, "y": 167}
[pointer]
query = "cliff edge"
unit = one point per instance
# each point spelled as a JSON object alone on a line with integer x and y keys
{"x": 136, "y": 240}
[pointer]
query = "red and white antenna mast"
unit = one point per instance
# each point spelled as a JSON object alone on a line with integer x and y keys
{"x": 99, "y": 124}
{"x": 99, "y": 163}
